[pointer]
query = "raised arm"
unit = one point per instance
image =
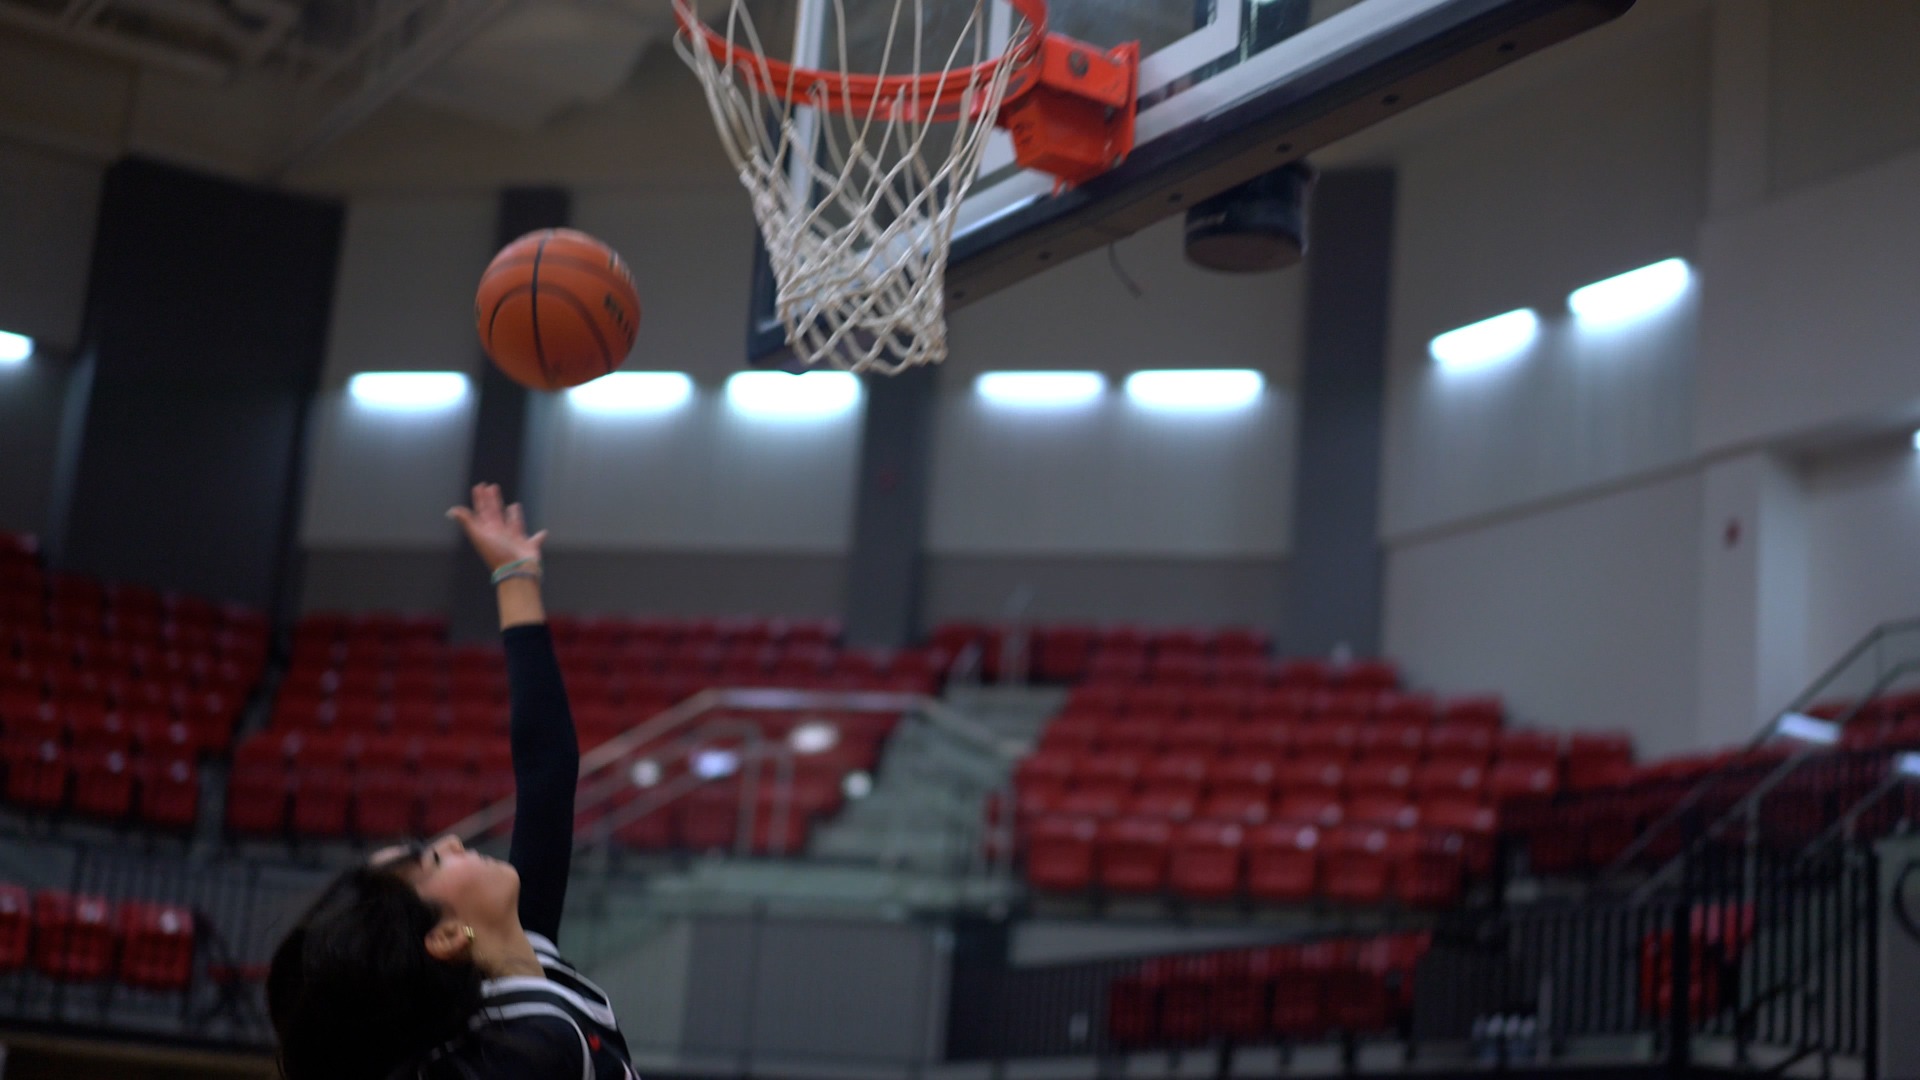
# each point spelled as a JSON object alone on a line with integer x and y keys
{"x": 546, "y": 752}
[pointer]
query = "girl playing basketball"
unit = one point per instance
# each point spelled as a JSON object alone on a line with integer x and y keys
{"x": 433, "y": 961}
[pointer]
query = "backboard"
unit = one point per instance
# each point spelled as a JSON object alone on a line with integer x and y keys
{"x": 1228, "y": 90}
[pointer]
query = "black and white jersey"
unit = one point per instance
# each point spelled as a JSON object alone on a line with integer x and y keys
{"x": 561, "y": 1026}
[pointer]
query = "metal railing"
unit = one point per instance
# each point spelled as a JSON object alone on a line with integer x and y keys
{"x": 1877, "y": 664}
{"x": 659, "y": 764}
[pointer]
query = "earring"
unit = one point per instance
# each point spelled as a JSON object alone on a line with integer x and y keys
{"x": 469, "y": 931}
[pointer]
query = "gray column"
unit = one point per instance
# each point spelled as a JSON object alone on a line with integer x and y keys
{"x": 1335, "y": 569}
{"x": 499, "y": 450}
{"x": 890, "y": 511}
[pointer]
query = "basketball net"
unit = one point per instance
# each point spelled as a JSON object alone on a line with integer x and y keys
{"x": 856, "y": 180}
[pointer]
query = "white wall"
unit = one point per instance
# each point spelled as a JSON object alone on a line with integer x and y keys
{"x": 1110, "y": 478}
{"x": 699, "y": 478}
{"x": 1863, "y": 524}
{"x": 1808, "y": 312}
{"x": 1582, "y": 614}
{"x": 1598, "y": 172}
{"x": 403, "y": 301}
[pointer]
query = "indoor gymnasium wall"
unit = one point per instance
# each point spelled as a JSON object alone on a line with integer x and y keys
{"x": 372, "y": 530}
{"x": 1108, "y": 511}
{"x": 1841, "y": 96}
{"x": 1758, "y": 429}
{"x": 49, "y": 203}
{"x": 1540, "y": 516}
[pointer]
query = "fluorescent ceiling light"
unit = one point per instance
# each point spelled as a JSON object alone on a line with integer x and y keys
{"x": 14, "y": 348}
{"x": 1632, "y": 295}
{"x": 1223, "y": 388}
{"x": 1486, "y": 342}
{"x": 1807, "y": 729}
{"x": 1916, "y": 440}
{"x": 408, "y": 389}
{"x": 1040, "y": 389}
{"x": 778, "y": 395}
{"x": 633, "y": 392}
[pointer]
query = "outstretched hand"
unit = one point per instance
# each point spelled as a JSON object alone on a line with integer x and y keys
{"x": 499, "y": 535}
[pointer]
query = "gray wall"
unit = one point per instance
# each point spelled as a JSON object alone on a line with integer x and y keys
{"x": 669, "y": 583}
{"x": 1154, "y": 590}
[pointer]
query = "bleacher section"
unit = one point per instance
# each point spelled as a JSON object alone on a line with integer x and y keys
{"x": 1210, "y": 773}
{"x": 110, "y": 695}
{"x": 383, "y": 729}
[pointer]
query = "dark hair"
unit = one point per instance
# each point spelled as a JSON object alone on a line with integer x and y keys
{"x": 353, "y": 992}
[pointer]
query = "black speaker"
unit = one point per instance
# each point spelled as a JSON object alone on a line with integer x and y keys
{"x": 1260, "y": 225}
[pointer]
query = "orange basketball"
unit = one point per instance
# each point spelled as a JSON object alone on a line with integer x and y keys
{"x": 557, "y": 308}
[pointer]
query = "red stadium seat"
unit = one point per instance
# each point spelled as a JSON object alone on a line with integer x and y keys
{"x": 1178, "y": 767}
{"x": 1430, "y": 872}
{"x": 169, "y": 793}
{"x": 1380, "y": 776}
{"x": 1207, "y": 737}
{"x": 1395, "y": 739}
{"x": 1485, "y": 711}
{"x": 103, "y": 784}
{"x": 1359, "y": 862}
{"x": 1528, "y": 748}
{"x": 1511, "y": 780}
{"x": 257, "y": 800}
{"x": 1473, "y": 823}
{"x": 1098, "y": 800}
{"x": 1461, "y": 744}
{"x": 322, "y": 802}
{"x": 1247, "y": 775}
{"x": 386, "y": 804}
{"x": 38, "y": 774}
{"x": 1131, "y": 855}
{"x": 1310, "y": 807}
{"x": 1449, "y": 779}
{"x": 1598, "y": 760}
{"x": 1265, "y": 738}
{"x": 1060, "y": 853}
{"x": 156, "y": 951}
{"x": 1312, "y": 774}
{"x": 72, "y": 937}
{"x": 1048, "y": 766}
{"x": 1384, "y": 810}
{"x": 1132, "y": 736}
{"x": 1208, "y": 860}
{"x": 1241, "y": 808}
{"x": 1418, "y": 710}
{"x": 1283, "y": 863}
{"x": 1169, "y": 802}
{"x": 1112, "y": 767}
{"x": 1224, "y": 703}
{"x": 1157, "y": 700}
{"x": 1300, "y": 989}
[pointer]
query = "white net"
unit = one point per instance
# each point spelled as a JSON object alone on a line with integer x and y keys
{"x": 857, "y": 184}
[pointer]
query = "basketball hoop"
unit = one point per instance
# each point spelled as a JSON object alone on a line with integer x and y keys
{"x": 856, "y": 179}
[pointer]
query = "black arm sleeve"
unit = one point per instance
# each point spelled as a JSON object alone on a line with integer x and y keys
{"x": 546, "y": 767}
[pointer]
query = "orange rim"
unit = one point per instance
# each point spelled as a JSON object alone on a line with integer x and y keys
{"x": 941, "y": 96}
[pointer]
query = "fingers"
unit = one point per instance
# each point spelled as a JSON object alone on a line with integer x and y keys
{"x": 537, "y": 539}
{"x": 517, "y": 520}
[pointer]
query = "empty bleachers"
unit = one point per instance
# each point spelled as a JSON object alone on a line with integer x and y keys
{"x": 112, "y": 695}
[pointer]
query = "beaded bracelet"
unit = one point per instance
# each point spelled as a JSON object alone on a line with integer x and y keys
{"x": 526, "y": 568}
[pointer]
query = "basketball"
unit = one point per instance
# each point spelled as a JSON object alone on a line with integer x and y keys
{"x": 557, "y": 308}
